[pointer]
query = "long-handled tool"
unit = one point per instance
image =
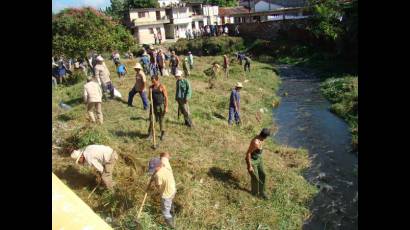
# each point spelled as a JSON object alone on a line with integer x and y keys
{"x": 99, "y": 182}
{"x": 143, "y": 201}
{"x": 152, "y": 121}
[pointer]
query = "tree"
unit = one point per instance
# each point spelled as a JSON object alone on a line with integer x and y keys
{"x": 116, "y": 9}
{"x": 132, "y": 4}
{"x": 76, "y": 32}
{"x": 326, "y": 19}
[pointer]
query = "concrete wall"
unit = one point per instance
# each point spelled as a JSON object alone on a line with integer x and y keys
{"x": 144, "y": 34}
{"x": 150, "y": 16}
{"x": 270, "y": 30}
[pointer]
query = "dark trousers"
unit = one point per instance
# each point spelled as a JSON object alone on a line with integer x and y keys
{"x": 161, "y": 69}
{"x": 247, "y": 66}
{"x": 184, "y": 109}
{"x": 258, "y": 177}
{"x": 110, "y": 88}
{"x": 233, "y": 114}
{"x": 143, "y": 96}
{"x": 159, "y": 113}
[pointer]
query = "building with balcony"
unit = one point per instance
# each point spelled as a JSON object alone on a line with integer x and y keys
{"x": 180, "y": 21}
{"x": 146, "y": 22}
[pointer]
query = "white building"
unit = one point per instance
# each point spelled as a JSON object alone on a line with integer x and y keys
{"x": 146, "y": 22}
{"x": 180, "y": 21}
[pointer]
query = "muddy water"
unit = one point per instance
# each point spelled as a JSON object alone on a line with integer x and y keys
{"x": 305, "y": 121}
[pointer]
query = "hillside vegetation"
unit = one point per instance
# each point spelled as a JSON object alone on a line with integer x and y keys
{"x": 208, "y": 161}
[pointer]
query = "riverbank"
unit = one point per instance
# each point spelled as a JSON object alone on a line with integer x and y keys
{"x": 208, "y": 161}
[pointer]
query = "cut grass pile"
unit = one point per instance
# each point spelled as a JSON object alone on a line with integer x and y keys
{"x": 208, "y": 161}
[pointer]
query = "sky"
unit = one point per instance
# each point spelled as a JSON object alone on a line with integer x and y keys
{"x": 58, "y": 5}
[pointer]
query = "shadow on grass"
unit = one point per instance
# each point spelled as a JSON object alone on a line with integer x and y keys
{"x": 131, "y": 134}
{"x": 74, "y": 101}
{"x": 64, "y": 117}
{"x": 218, "y": 115}
{"x": 226, "y": 177}
{"x": 138, "y": 118}
{"x": 75, "y": 179}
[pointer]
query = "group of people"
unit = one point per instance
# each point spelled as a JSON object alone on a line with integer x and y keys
{"x": 103, "y": 158}
{"x": 207, "y": 31}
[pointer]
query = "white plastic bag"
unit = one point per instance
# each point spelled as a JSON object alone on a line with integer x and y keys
{"x": 117, "y": 93}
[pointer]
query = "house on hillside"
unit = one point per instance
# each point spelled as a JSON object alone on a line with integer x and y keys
{"x": 280, "y": 9}
{"x": 180, "y": 21}
{"x": 267, "y": 5}
{"x": 146, "y": 22}
{"x": 227, "y": 15}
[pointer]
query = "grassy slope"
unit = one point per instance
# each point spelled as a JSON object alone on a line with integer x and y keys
{"x": 208, "y": 161}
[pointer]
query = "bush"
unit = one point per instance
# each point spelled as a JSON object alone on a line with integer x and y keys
{"x": 75, "y": 77}
{"x": 88, "y": 135}
{"x": 136, "y": 50}
{"x": 209, "y": 46}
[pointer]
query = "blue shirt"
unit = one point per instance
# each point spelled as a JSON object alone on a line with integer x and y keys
{"x": 234, "y": 97}
{"x": 145, "y": 59}
{"x": 121, "y": 69}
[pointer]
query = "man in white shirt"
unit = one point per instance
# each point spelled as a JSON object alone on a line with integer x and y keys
{"x": 102, "y": 157}
{"x": 93, "y": 98}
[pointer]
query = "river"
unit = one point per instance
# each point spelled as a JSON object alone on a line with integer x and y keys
{"x": 304, "y": 120}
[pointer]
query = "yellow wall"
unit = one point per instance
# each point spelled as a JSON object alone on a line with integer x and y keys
{"x": 70, "y": 212}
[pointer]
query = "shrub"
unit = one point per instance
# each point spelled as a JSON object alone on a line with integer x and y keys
{"x": 75, "y": 77}
{"x": 136, "y": 50}
{"x": 209, "y": 46}
{"x": 88, "y": 135}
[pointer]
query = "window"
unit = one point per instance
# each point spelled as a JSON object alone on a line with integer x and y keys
{"x": 141, "y": 14}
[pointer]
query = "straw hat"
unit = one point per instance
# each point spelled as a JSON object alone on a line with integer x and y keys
{"x": 99, "y": 58}
{"x": 76, "y": 154}
{"x": 178, "y": 73}
{"x": 138, "y": 66}
{"x": 238, "y": 85}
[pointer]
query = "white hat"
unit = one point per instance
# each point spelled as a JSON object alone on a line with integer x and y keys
{"x": 76, "y": 154}
{"x": 178, "y": 73}
{"x": 238, "y": 85}
{"x": 138, "y": 66}
{"x": 99, "y": 58}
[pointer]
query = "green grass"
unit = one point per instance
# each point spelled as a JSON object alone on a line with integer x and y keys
{"x": 208, "y": 161}
{"x": 343, "y": 93}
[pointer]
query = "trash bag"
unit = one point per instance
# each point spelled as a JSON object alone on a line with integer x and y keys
{"x": 117, "y": 93}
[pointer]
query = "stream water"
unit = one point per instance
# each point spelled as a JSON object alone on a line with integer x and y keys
{"x": 304, "y": 120}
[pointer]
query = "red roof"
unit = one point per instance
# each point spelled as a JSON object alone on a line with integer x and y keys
{"x": 227, "y": 11}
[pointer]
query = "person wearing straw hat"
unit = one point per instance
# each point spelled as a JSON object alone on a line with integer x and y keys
{"x": 159, "y": 103}
{"x": 93, "y": 98}
{"x": 255, "y": 166}
{"x": 102, "y": 73}
{"x": 101, "y": 157}
{"x": 165, "y": 183}
{"x": 234, "y": 104}
{"x": 183, "y": 93}
{"x": 139, "y": 87}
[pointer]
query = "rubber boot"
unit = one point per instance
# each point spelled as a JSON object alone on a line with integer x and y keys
{"x": 170, "y": 222}
{"x": 162, "y": 135}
